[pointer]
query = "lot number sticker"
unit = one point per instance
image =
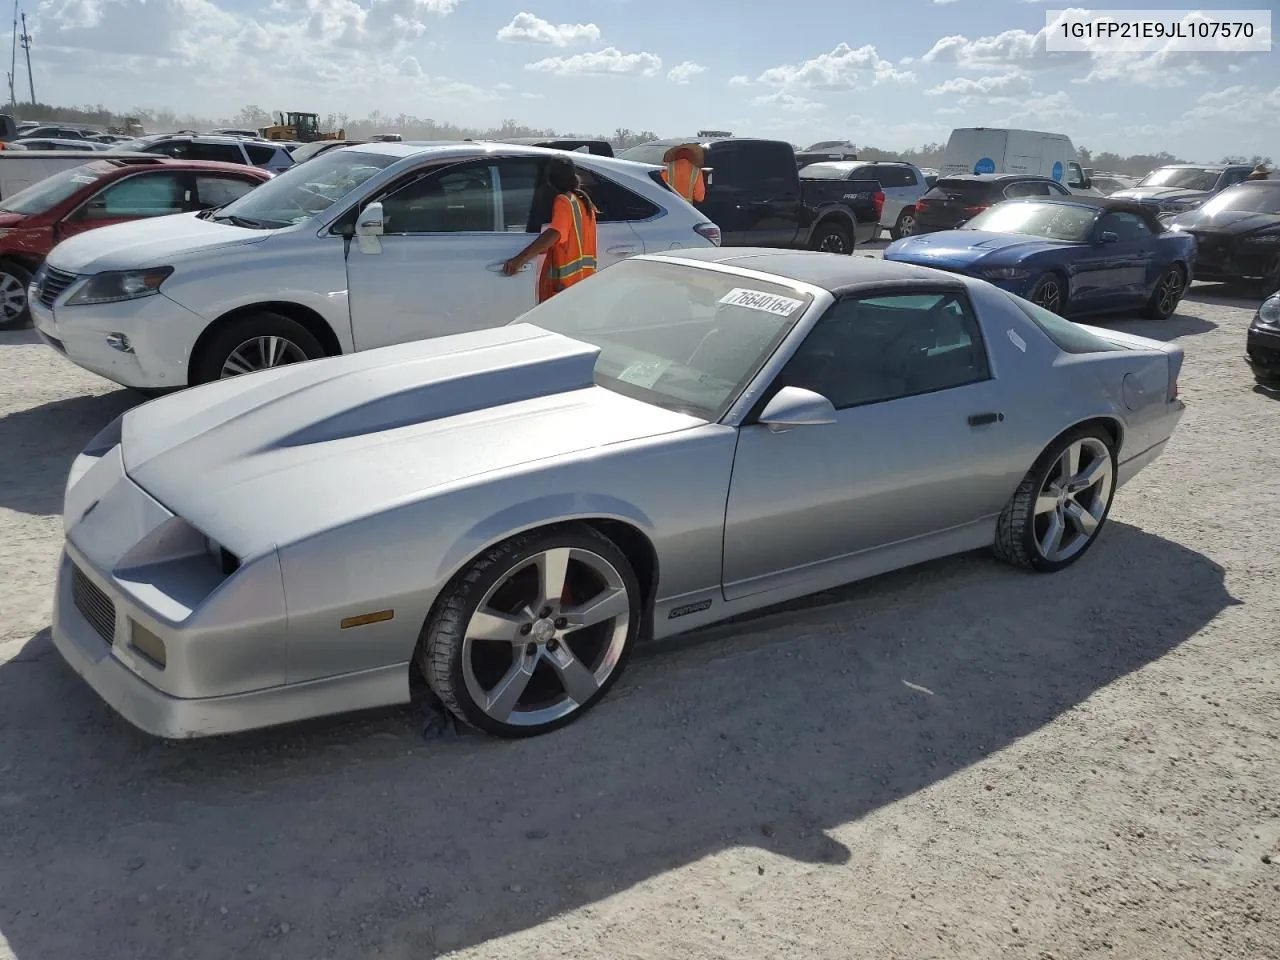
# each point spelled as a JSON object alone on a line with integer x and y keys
{"x": 759, "y": 300}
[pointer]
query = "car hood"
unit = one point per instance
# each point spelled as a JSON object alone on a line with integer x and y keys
{"x": 264, "y": 460}
{"x": 968, "y": 246}
{"x": 1230, "y": 222}
{"x": 1160, "y": 193}
{"x": 148, "y": 243}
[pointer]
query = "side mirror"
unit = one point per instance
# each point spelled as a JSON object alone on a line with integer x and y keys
{"x": 797, "y": 407}
{"x": 1108, "y": 236}
{"x": 369, "y": 223}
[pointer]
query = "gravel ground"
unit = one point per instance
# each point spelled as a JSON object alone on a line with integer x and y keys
{"x": 956, "y": 761}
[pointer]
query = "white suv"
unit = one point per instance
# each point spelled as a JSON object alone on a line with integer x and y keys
{"x": 360, "y": 247}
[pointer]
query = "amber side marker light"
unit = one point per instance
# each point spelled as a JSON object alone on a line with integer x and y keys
{"x": 367, "y": 618}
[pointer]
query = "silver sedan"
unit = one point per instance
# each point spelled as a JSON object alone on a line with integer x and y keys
{"x": 504, "y": 513}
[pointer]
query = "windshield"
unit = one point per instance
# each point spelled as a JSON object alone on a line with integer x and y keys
{"x": 829, "y": 171}
{"x": 1258, "y": 197}
{"x": 1189, "y": 178}
{"x": 648, "y": 152}
{"x": 305, "y": 190}
{"x": 48, "y": 193}
{"x": 1053, "y": 221}
{"x": 678, "y": 336}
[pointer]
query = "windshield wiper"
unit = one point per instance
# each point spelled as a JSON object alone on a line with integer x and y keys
{"x": 248, "y": 222}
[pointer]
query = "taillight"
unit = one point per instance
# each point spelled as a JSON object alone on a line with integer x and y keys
{"x": 878, "y": 199}
{"x": 1173, "y": 389}
{"x": 978, "y": 209}
{"x": 710, "y": 231}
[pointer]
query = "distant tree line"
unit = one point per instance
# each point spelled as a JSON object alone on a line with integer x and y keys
{"x": 424, "y": 128}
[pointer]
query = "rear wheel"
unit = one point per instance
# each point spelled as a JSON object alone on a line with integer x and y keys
{"x": 256, "y": 341}
{"x": 15, "y": 313}
{"x": 534, "y": 632}
{"x": 906, "y": 225}
{"x": 1058, "y": 510}
{"x": 1050, "y": 292}
{"x": 1167, "y": 294}
{"x": 832, "y": 236}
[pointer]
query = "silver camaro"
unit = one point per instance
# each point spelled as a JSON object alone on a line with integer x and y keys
{"x": 683, "y": 438}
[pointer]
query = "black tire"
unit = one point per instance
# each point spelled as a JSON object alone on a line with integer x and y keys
{"x": 906, "y": 225}
{"x": 1050, "y": 291}
{"x": 1270, "y": 282}
{"x": 1167, "y": 294}
{"x": 832, "y": 236}
{"x": 214, "y": 355}
{"x": 441, "y": 644}
{"x": 11, "y": 272}
{"x": 1015, "y": 541}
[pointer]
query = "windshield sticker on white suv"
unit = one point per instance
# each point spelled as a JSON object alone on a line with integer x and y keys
{"x": 759, "y": 300}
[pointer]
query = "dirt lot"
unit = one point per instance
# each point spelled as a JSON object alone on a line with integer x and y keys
{"x": 958, "y": 761}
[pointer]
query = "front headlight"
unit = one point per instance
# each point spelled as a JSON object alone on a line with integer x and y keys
{"x": 1269, "y": 312}
{"x": 1006, "y": 273}
{"x": 120, "y": 285}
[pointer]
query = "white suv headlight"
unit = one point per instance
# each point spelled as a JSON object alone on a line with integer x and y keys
{"x": 120, "y": 285}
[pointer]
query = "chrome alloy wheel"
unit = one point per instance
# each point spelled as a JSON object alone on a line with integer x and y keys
{"x": 906, "y": 225}
{"x": 13, "y": 298}
{"x": 261, "y": 353}
{"x": 1169, "y": 292}
{"x": 546, "y": 636}
{"x": 1073, "y": 500}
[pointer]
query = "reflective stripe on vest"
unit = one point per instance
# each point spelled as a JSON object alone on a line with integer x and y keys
{"x": 693, "y": 179}
{"x": 582, "y": 263}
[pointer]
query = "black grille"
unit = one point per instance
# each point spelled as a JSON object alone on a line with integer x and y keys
{"x": 94, "y": 605}
{"x": 53, "y": 283}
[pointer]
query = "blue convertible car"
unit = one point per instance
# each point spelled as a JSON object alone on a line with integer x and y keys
{"x": 1071, "y": 255}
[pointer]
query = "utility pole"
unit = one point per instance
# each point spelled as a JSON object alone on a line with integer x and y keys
{"x": 26, "y": 45}
{"x": 13, "y": 64}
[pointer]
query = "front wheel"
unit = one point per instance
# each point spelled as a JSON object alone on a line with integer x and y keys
{"x": 534, "y": 632}
{"x": 832, "y": 237}
{"x": 1167, "y": 294}
{"x": 15, "y": 312}
{"x": 1057, "y": 511}
{"x": 256, "y": 341}
{"x": 1050, "y": 293}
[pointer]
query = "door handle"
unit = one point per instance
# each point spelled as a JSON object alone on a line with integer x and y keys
{"x": 625, "y": 250}
{"x": 497, "y": 267}
{"x": 982, "y": 419}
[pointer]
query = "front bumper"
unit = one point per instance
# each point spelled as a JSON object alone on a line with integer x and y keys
{"x": 1262, "y": 353}
{"x": 144, "y": 343}
{"x": 1227, "y": 259}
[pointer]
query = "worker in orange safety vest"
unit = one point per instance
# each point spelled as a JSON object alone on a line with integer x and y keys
{"x": 570, "y": 240}
{"x": 683, "y": 171}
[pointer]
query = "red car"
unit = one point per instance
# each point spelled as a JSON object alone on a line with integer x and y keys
{"x": 98, "y": 194}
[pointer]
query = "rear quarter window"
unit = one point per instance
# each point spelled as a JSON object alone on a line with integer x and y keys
{"x": 1069, "y": 337}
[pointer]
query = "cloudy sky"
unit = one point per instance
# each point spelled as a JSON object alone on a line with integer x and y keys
{"x": 891, "y": 74}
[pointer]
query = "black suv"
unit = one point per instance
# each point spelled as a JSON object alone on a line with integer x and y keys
{"x": 953, "y": 200}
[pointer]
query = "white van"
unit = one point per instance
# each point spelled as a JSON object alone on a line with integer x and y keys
{"x": 19, "y": 169}
{"x": 996, "y": 150}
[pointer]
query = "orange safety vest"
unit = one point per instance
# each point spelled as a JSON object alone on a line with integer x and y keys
{"x": 684, "y": 178}
{"x": 573, "y": 259}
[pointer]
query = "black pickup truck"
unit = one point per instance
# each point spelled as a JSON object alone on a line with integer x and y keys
{"x": 757, "y": 199}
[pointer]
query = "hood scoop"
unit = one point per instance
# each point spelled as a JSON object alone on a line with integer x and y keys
{"x": 538, "y": 373}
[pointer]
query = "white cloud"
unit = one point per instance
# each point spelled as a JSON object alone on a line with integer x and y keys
{"x": 684, "y": 72}
{"x": 533, "y": 96}
{"x": 739, "y": 81}
{"x": 789, "y": 102}
{"x": 943, "y": 2}
{"x": 1043, "y": 109}
{"x": 993, "y": 85}
{"x": 838, "y": 70}
{"x": 607, "y": 62}
{"x": 530, "y": 28}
